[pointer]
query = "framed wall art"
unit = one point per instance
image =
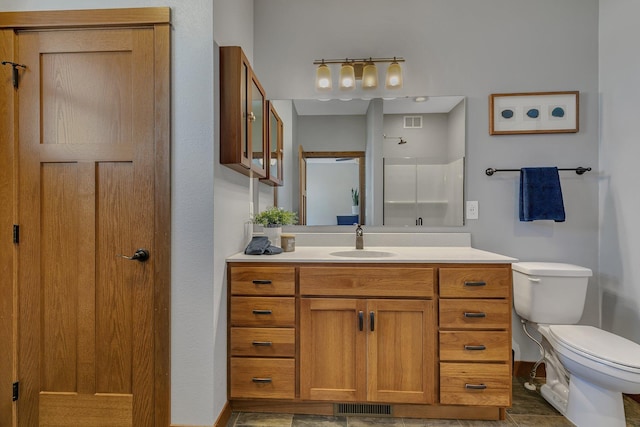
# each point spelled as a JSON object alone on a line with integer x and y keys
{"x": 536, "y": 112}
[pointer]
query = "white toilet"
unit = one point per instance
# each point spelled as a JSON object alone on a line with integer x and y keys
{"x": 587, "y": 368}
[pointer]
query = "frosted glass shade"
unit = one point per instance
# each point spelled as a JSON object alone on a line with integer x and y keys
{"x": 394, "y": 76}
{"x": 323, "y": 78}
{"x": 347, "y": 77}
{"x": 369, "y": 76}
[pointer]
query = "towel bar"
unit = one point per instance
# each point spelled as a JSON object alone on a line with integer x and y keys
{"x": 579, "y": 170}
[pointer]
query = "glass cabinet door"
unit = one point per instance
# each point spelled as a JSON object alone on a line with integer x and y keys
{"x": 274, "y": 144}
{"x": 258, "y": 128}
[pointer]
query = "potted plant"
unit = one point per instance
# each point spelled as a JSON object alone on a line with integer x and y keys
{"x": 355, "y": 201}
{"x": 272, "y": 220}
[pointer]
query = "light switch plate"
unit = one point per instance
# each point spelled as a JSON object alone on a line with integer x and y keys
{"x": 472, "y": 209}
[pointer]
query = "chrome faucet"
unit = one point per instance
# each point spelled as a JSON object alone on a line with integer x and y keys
{"x": 359, "y": 237}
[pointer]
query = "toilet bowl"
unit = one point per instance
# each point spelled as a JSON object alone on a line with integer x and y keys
{"x": 587, "y": 368}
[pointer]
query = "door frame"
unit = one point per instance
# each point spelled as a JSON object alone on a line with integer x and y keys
{"x": 158, "y": 18}
{"x": 302, "y": 194}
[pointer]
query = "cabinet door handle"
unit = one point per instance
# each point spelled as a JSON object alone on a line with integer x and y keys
{"x": 474, "y": 347}
{"x": 475, "y": 386}
{"x": 372, "y": 321}
{"x": 262, "y": 312}
{"x": 361, "y": 320}
{"x": 468, "y": 314}
{"x": 475, "y": 283}
{"x": 261, "y": 380}
{"x": 262, "y": 282}
{"x": 262, "y": 343}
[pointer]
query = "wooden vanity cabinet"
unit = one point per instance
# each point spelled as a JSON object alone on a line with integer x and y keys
{"x": 428, "y": 340}
{"x": 475, "y": 336}
{"x": 243, "y": 115}
{"x": 262, "y": 343}
{"x": 360, "y": 342}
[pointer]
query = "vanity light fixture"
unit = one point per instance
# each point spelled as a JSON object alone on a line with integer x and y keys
{"x": 363, "y": 69}
{"x": 323, "y": 78}
{"x": 347, "y": 77}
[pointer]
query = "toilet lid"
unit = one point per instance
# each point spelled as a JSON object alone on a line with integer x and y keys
{"x": 598, "y": 344}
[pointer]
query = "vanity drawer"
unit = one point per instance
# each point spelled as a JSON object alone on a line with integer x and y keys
{"x": 475, "y": 346}
{"x": 263, "y": 342}
{"x": 367, "y": 281}
{"x": 263, "y": 311}
{"x": 262, "y": 378}
{"x": 263, "y": 280}
{"x": 475, "y": 282}
{"x": 483, "y": 384}
{"x": 475, "y": 313}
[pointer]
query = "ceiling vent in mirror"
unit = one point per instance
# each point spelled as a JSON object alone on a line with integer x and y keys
{"x": 413, "y": 122}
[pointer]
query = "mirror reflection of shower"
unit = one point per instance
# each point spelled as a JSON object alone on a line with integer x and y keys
{"x": 402, "y": 140}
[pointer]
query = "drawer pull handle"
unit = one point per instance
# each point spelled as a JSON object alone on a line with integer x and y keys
{"x": 474, "y": 347}
{"x": 261, "y": 380}
{"x": 262, "y": 312}
{"x": 361, "y": 320}
{"x": 262, "y": 282}
{"x": 262, "y": 343}
{"x": 475, "y": 386}
{"x": 467, "y": 314}
{"x": 475, "y": 283}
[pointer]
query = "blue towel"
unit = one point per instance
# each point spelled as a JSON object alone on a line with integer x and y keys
{"x": 541, "y": 195}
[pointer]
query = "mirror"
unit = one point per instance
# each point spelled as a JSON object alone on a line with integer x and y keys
{"x": 412, "y": 172}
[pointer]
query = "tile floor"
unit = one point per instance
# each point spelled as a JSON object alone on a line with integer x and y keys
{"x": 529, "y": 409}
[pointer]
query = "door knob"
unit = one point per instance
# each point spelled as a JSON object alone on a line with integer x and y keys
{"x": 140, "y": 255}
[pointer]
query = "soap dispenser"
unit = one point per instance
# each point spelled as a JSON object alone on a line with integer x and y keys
{"x": 359, "y": 237}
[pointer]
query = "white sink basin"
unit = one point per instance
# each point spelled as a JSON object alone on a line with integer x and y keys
{"x": 363, "y": 253}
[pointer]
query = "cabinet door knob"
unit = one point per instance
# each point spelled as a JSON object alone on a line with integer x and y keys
{"x": 475, "y": 283}
{"x": 475, "y": 315}
{"x": 251, "y": 117}
{"x": 475, "y": 347}
{"x": 475, "y": 386}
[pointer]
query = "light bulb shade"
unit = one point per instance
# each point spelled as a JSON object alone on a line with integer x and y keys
{"x": 323, "y": 78}
{"x": 369, "y": 76}
{"x": 347, "y": 77}
{"x": 394, "y": 76}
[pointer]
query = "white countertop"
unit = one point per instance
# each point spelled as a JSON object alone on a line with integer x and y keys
{"x": 400, "y": 254}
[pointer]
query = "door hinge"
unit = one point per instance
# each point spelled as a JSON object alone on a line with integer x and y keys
{"x": 16, "y": 390}
{"x": 16, "y": 233}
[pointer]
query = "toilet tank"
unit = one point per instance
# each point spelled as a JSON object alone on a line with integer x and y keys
{"x": 552, "y": 293}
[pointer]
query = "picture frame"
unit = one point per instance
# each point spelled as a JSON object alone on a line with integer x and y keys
{"x": 535, "y": 112}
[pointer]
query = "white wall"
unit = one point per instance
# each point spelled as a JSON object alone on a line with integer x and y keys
{"x": 619, "y": 269}
{"x": 471, "y": 48}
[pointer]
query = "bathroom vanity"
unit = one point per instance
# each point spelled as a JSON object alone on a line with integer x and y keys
{"x": 404, "y": 331}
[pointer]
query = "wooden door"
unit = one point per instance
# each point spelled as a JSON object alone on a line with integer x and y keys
{"x": 401, "y": 351}
{"x": 332, "y": 349}
{"x": 87, "y": 188}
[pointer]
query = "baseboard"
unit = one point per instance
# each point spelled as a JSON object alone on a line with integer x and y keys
{"x": 635, "y": 397}
{"x": 523, "y": 369}
{"x": 224, "y": 416}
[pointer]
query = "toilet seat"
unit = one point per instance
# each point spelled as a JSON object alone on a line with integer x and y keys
{"x": 599, "y": 345}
